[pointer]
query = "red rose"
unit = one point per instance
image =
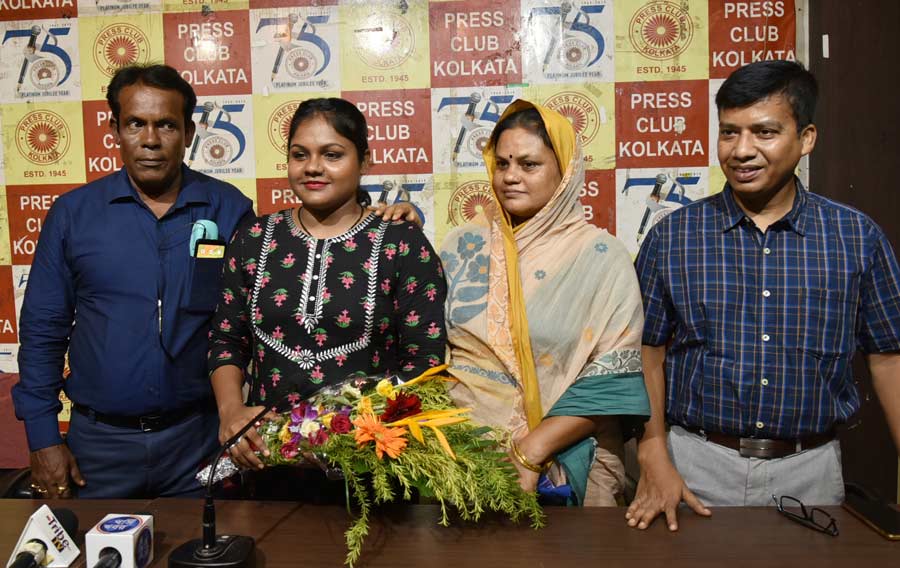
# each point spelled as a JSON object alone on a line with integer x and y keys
{"x": 319, "y": 438}
{"x": 402, "y": 406}
{"x": 340, "y": 424}
{"x": 289, "y": 451}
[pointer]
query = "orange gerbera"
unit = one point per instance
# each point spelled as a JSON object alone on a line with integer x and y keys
{"x": 388, "y": 441}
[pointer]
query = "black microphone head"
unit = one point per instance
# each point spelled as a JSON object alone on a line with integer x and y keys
{"x": 67, "y": 519}
{"x": 110, "y": 551}
{"x": 661, "y": 178}
{"x": 209, "y": 106}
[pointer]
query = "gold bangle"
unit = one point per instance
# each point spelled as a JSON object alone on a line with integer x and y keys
{"x": 524, "y": 461}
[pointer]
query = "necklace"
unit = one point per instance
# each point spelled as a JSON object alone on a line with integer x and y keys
{"x": 362, "y": 211}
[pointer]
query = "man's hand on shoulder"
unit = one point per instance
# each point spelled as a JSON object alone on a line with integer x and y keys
{"x": 51, "y": 469}
{"x": 395, "y": 212}
{"x": 660, "y": 489}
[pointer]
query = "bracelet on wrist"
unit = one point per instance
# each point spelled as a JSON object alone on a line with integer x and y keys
{"x": 520, "y": 457}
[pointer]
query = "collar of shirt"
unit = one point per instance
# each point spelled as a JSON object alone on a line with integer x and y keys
{"x": 795, "y": 219}
{"x": 121, "y": 189}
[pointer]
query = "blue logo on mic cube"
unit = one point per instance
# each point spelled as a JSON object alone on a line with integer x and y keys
{"x": 129, "y": 535}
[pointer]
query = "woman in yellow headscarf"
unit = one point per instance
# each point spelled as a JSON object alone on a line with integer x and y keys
{"x": 544, "y": 314}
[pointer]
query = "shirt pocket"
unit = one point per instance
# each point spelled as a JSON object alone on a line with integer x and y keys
{"x": 826, "y": 322}
{"x": 206, "y": 276}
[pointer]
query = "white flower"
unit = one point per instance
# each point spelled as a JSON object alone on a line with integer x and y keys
{"x": 350, "y": 391}
{"x": 309, "y": 427}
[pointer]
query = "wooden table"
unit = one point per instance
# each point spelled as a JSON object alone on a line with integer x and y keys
{"x": 293, "y": 534}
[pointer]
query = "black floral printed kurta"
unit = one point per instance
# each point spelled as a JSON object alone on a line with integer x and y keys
{"x": 310, "y": 312}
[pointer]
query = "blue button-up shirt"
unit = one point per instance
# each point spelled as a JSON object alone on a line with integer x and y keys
{"x": 763, "y": 326}
{"x": 121, "y": 291}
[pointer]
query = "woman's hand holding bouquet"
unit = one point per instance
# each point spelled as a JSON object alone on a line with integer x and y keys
{"x": 403, "y": 436}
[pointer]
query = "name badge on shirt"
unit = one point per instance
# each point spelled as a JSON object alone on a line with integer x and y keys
{"x": 208, "y": 248}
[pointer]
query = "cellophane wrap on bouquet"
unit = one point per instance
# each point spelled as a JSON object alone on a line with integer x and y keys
{"x": 397, "y": 436}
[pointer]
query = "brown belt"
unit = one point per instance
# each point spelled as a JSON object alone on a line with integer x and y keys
{"x": 762, "y": 447}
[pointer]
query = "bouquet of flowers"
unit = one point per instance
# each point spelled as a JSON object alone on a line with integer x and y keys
{"x": 403, "y": 436}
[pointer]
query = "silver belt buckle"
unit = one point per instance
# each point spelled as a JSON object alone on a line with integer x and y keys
{"x": 756, "y": 448}
{"x": 149, "y": 423}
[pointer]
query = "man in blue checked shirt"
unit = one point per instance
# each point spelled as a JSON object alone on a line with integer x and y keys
{"x": 115, "y": 282}
{"x": 756, "y": 300}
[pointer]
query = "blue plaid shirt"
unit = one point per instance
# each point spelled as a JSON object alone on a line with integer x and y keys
{"x": 763, "y": 326}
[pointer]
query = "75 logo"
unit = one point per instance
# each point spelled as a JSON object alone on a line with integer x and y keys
{"x": 302, "y": 56}
{"x": 576, "y": 39}
{"x": 41, "y": 62}
{"x": 473, "y": 134}
{"x": 210, "y": 141}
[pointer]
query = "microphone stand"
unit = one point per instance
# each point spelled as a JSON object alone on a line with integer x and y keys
{"x": 226, "y": 551}
{"x": 661, "y": 179}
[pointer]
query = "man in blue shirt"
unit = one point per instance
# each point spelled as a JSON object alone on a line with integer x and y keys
{"x": 115, "y": 283}
{"x": 756, "y": 300}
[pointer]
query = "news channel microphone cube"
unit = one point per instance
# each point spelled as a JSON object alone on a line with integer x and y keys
{"x": 130, "y": 535}
{"x": 45, "y": 527}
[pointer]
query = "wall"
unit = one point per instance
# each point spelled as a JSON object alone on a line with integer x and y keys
{"x": 636, "y": 77}
{"x": 855, "y": 161}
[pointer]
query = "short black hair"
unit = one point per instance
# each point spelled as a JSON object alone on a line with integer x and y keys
{"x": 157, "y": 76}
{"x": 529, "y": 119}
{"x": 345, "y": 118}
{"x": 757, "y": 81}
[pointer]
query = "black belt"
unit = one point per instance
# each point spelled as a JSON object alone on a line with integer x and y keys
{"x": 146, "y": 423}
{"x": 763, "y": 447}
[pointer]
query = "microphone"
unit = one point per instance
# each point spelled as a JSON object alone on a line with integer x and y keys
{"x": 120, "y": 541}
{"x": 653, "y": 199}
{"x": 47, "y": 540}
{"x": 292, "y": 19}
{"x": 109, "y": 558}
{"x": 208, "y": 107}
{"x": 29, "y": 53}
{"x": 31, "y": 554}
{"x": 467, "y": 122}
{"x": 564, "y": 10}
{"x": 225, "y": 551}
{"x": 386, "y": 187}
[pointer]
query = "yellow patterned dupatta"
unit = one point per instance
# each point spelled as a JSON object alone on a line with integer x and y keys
{"x": 544, "y": 318}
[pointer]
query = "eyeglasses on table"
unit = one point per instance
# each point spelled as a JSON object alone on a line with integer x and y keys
{"x": 811, "y": 517}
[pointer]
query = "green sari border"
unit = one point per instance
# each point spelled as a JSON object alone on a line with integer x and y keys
{"x": 621, "y": 394}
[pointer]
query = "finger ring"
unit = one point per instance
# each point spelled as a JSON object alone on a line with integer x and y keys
{"x": 37, "y": 488}
{"x": 238, "y": 441}
{"x": 62, "y": 488}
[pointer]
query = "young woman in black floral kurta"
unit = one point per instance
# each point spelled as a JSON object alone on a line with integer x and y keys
{"x": 314, "y": 295}
{"x": 367, "y": 302}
